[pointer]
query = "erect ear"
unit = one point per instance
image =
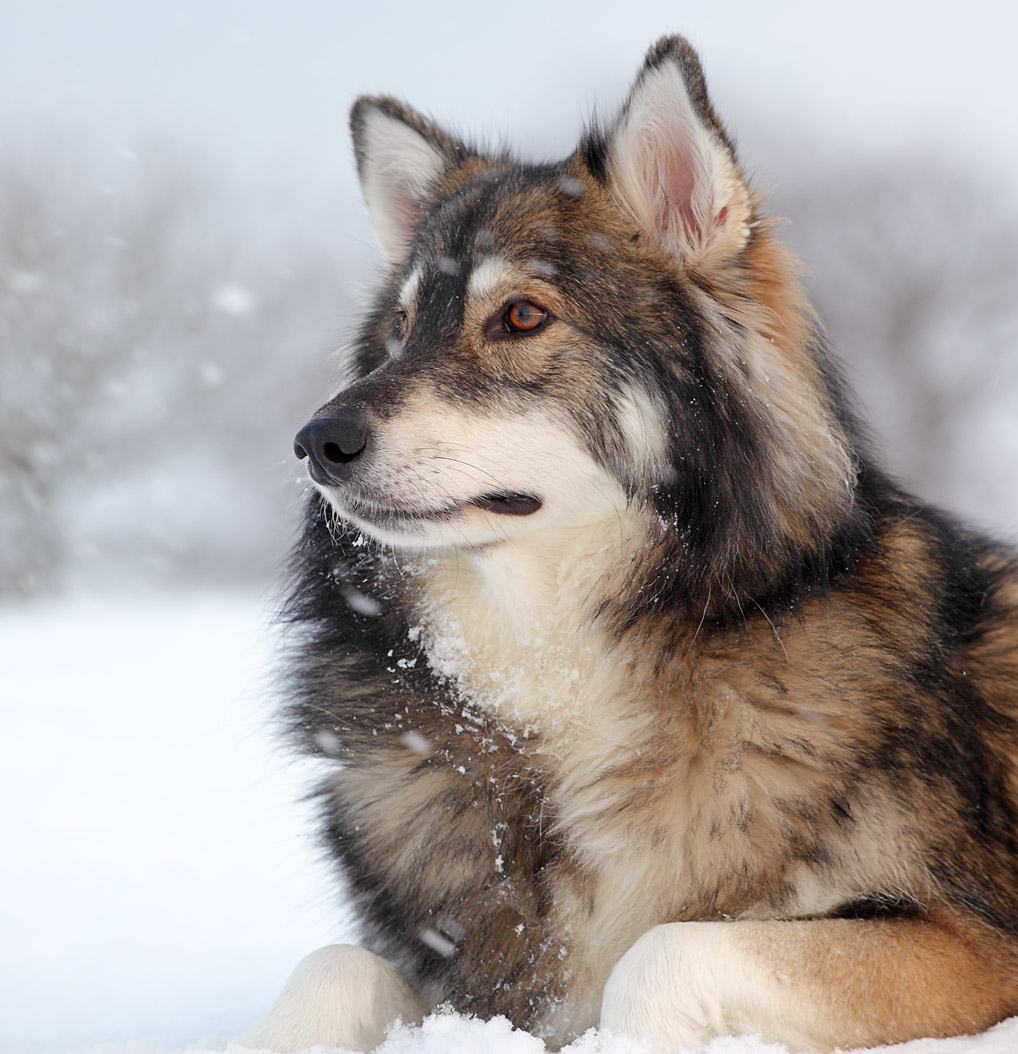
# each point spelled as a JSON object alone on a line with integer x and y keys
{"x": 671, "y": 165}
{"x": 400, "y": 156}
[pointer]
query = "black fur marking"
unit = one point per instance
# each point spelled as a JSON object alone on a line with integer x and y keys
{"x": 888, "y": 906}
{"x": 594, "y": 151}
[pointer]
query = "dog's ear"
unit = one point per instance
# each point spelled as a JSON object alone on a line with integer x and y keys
{"x": 401, "y": 155}
{"x": 669, "y": 162}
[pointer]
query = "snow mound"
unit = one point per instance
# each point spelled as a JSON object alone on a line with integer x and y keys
{"x": 449, "y": 1033}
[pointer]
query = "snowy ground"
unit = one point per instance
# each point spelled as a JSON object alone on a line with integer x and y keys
{"x": 159, "y": 880}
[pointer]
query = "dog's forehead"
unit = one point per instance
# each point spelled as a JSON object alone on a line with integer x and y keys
{"x": 505, "y": 213}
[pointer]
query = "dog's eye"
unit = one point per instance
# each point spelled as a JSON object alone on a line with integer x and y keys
{"x": 524, "y": 317}
{"x": 402, "y": 325}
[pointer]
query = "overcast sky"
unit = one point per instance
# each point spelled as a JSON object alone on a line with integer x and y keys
{"x": 264, "y": 86}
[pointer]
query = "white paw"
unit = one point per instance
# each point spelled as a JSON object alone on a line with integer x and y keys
{"x": 338, "y": 996}
{"x": 648, "y": 993}
{"x": 685, "y": 983}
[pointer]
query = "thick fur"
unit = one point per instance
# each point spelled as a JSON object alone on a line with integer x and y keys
{"x": 716, "y": 733}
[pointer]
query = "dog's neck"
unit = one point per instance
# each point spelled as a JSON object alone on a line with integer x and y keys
{"x": 516, "y": 626}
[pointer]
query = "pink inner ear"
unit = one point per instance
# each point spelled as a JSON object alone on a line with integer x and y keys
{"x": 716, "y": 224}
{"x": 677, "y": 188}
{"x": 680, "y": 185}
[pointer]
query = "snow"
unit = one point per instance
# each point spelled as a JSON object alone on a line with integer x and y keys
{"x": 160, "y": 877}
{"x": 25, "y": 283}
{"x": 233, "y": 299}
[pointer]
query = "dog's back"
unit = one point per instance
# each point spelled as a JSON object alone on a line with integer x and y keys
{"x": 657, "y": 703}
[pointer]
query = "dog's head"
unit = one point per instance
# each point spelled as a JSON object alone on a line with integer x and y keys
{"x": 558, "y": 343}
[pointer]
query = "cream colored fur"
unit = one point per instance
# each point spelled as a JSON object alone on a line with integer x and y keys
{"x": 435, "y": 456}
{"x": 684, "y": 983}
{"x": 338, "y": 996}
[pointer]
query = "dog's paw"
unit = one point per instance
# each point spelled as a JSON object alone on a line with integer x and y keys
{"x": 338, "y": 996}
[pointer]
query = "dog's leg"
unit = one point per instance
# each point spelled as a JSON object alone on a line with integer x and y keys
{"x": 813, "y": 985}
{"x": 339, "y": 996}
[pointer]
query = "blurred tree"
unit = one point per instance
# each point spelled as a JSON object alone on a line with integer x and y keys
{"x": 158, "y": 347}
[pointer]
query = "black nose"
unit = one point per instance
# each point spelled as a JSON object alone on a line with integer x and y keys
{"x": 332, "y": 444}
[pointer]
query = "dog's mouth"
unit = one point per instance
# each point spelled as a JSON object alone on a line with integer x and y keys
{"x": 389, "y": 512}
{"x": 512, "y": 504}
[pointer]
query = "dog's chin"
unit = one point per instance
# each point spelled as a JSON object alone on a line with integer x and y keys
{"x": 473, "y": 523}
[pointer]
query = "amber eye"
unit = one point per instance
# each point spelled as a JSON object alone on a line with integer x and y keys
{"x": 524, "y": 317}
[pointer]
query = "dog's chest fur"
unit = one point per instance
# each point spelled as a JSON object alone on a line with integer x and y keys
{"x": 661, "y": 790}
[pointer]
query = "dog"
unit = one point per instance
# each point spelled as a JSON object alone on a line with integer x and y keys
{"x": 652, "y": 702}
